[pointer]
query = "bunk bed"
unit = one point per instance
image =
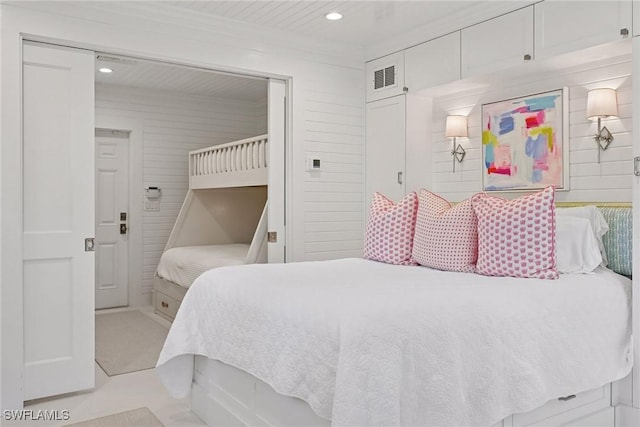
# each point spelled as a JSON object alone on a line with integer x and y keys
{"x": 223, "y": 220}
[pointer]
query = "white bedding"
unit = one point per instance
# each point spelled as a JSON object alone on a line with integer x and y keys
{"x": 183, "y": 265}
{"x": 366, "y": 343}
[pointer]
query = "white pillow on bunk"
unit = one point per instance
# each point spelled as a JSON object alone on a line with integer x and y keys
{"x": 598, "y": 223}
{"x": 577, "y": 248}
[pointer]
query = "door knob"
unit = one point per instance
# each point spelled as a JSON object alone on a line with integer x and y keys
{"x": 123, "y": 228}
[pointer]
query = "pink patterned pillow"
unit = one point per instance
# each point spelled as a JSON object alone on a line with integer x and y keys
{"x": 390, "y": 229}
{"x": 517, "y": 237}
{"x": 446, "y": 237}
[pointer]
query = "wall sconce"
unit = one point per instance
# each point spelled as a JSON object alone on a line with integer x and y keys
{"x": 602, "y": 103}
{"x": 456, "y": 126}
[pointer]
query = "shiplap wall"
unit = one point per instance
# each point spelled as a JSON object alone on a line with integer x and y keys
{"x": 333, "y": 196}
{"x": 611, "y": 180}
{"x": 173, "y": 124}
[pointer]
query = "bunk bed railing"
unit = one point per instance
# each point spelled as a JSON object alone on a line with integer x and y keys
{"x": 215, "y": 166}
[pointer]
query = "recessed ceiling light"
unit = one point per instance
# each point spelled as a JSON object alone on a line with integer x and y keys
{"x": 333, "y": 16}
{"x": 105, "y": 70}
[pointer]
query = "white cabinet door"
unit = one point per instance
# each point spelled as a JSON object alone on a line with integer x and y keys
{"x": 498, "y": 43}
{"x": 565, "y": 26}
{"x": 433, "y": 63}
{"x": 385, "y": 149}
{"x": 385, "y": 77}
{"x": 58, "y": 174}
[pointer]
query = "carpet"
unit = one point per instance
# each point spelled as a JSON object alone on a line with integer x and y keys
{"x": 141, "y": 417}
{"x": 128, "y": 341}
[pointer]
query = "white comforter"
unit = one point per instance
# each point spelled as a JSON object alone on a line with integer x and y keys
{"x": 183, "y": 265}
{"x": 366, "y": 343}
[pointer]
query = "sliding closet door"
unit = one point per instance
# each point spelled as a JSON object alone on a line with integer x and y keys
{"x": 58, "y": 215}
{"x": 276, "y": 180}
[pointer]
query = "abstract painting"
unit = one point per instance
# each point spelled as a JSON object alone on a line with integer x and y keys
{"x": 523, "y": 145}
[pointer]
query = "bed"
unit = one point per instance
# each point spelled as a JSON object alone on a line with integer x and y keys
{"x": 356, "y": 342}
{"x": 223, "y": 220}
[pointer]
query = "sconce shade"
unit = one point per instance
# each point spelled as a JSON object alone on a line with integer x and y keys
{"x": 602, "y": 103}
{"x": 455, "y": 126}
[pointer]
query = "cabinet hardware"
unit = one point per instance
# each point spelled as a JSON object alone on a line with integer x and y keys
{"x": 89, "y": 244}
{"x": 527, "y": 57}
{"x": 624, "y": 32}
{"x": 405, "y": 89}
{"x": 164, "y": 304}
{"x": 272, "y": 237}
{"x": 399, "y": 177}
{"x": 564, "y": 399}
{"x": 636, "y": 166}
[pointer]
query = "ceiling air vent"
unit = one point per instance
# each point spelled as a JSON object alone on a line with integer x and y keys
{"x": 384, "y": 77}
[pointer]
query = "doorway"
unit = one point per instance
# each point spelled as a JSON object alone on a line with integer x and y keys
{"x": 112, "y": 216}
{"x": 41, "y": 373}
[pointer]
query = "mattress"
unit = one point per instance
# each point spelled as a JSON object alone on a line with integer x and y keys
{"x": 183, "y": 265}
{"x": 367, "y": 343}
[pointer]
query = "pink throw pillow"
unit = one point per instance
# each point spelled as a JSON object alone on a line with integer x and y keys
{"x": 446, "y": 237}
{"x": 517, "y": 237}
{"x": 389, "y": 236}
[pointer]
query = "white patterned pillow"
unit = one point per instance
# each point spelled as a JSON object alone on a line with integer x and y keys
{"x": 446, "y": 237}
{"x": 516, "y": 237}
{"x": 390, "y": 229}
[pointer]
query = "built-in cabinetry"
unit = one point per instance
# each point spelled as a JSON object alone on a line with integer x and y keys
{"x": 385, "y": 149}
{"x": 440, "y": 57}
{"x": 589, "y": 408}
{"x": 395, "y": 126}
{"x": 566, "y": 26}
{"x": 498, "y": 43}
{"x": 395, "y": 114}
{"x": 535, "y": 32}
{"x": 385, "y": 76}
{"x": 167, "y": 298}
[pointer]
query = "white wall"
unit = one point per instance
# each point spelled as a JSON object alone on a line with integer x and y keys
{"x": 326, "y": 96}
{"x": 172, "y": 124}
{"x": 333, "y": 197}
{"x": 609, "y": 181}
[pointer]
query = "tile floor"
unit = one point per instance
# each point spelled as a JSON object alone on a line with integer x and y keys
{"x": 117, "y": 394}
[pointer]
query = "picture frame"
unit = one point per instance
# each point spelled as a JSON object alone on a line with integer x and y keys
{"x": 525, "y": 144}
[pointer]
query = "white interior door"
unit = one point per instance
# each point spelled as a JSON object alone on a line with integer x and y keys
{"x": 276, "y": 192}
{"x": 58, "y": 215}
{"x": 112, "y": 218}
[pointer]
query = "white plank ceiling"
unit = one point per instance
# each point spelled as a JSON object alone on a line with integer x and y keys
{"x": 364, "y": 24}
{"x": 153, "y": 75}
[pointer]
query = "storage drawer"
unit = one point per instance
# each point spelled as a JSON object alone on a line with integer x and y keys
{"x": 602, "y": 418}
{"x": 563, "y": 410}
{"x": 166, "y": 305}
